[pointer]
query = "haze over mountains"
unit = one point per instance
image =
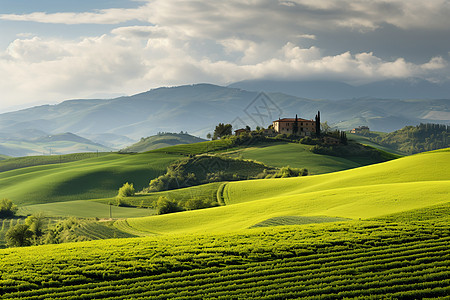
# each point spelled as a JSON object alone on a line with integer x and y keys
{"x": 117, "y": 123}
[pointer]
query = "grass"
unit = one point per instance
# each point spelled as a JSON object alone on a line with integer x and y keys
{"x": 84, "y": 209}
{"x": 299, "y": 156}
{"x": 30, "y": 161}
{"x": 367, "y": 141}
{"x": 295, "y": 220}
{"x": 408, "y": 183}
{"x": 371, "y": 260}
{"x": 92, "y": 178}
{"x": 204, "y": 192}
{"x": 197, "y": 148}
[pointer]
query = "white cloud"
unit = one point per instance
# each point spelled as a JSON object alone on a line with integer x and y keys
{"x": 188, "y": 41}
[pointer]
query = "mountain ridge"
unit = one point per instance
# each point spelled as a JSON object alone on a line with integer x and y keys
{"x": 197, "y": 109}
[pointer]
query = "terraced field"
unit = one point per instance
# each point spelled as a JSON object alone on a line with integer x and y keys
{"x": 404, "y": 184}
{"x": 350, "y": 260}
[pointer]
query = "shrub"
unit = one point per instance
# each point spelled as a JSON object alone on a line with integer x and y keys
{"x": 19, "y": 236}
{"x": 126, "y": 190}
{"x": 286, "y": 172}
{"x": 166, "y": 206}
{"x": 7, "y": 208}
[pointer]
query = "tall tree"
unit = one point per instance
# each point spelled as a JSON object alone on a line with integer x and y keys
{"x": 318, "y": 133}
{"x": 222, "y": 130}
{"x": 295, "y": 127}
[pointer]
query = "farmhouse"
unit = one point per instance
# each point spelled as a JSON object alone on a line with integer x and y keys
{"x": 295, "y": 125}
{"x": 360, "y": 129}
{"x": 239, "y": 131}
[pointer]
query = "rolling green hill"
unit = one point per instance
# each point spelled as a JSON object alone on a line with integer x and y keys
{"x": 404, "y": 184}
{"x": 91, "y": 178}
{"x": 162, "y": 140}
{"x": 300, "y": 156}
{"x": 87, "y": 176}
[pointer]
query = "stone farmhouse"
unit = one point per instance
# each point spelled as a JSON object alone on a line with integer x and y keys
{"x": 287, "y": 126}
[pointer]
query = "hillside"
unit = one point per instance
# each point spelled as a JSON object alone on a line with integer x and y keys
{"x": 162, "y": 140}
{"x": 300, "y": 156}
{"x": 364, "y": 192}
{"x": 197, "y": 109}
{"x": 90, "y": 178}
{"x": 99, "y": 175}
{"x": 415, "y": 139}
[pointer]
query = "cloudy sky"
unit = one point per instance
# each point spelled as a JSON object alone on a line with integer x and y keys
{"x": 52, "y": 50}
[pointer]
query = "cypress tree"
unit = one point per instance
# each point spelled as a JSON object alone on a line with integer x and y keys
{"x": 318, "y": 133}
{"x": 295, "y": 127}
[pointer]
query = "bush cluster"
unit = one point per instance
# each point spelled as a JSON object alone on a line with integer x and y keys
{"x": 7, "y": 208}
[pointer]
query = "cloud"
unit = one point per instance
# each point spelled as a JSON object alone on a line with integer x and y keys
{"x": 105, "y": 16}
{"x": 188, "y": 41}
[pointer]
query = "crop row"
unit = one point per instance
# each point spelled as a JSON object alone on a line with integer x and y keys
{"x": 414, "y": 269}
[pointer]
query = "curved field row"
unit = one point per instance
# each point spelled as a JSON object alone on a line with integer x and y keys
{"x": 358, "y": 259}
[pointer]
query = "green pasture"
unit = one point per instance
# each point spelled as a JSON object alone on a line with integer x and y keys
{"x": 408, "y": 183}
{"x": 84, "y": 209}
{"x": 92, "y": 178}
{"x": 300, "y": 156}
{"x": 30, "y": 161}
{"x": 367, "y": 141}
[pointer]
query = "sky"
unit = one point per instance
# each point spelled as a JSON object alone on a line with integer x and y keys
{"x": 53, "y": 50}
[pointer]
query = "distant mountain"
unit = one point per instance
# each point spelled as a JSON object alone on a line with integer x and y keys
{"x": 162, "y": 140}
{"x": 333, "y": 90}
{"x": 197, "y": 109}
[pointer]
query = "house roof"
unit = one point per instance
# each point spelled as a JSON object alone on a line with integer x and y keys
{"x": 293, "y": 120}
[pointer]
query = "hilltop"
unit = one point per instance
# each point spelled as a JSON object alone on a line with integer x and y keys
{"x": 162, "y": 140}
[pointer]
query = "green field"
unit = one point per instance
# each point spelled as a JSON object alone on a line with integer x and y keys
{"x": 30, "y": 161}
{"x": 367, "y": 141}
{"x": 404, "y": 184}
{"x": 353, "y": 260}
{"x": 297, "y": 156}
{"x": 92, "y": 178}
{"x": 84, "y": 209}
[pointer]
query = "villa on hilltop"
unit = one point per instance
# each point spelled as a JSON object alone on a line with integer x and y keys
{"x": 298, "y": 126}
